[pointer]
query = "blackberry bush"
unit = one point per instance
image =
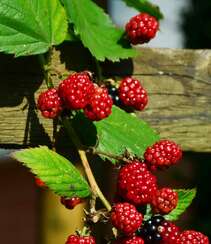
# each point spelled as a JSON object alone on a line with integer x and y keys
{"x": 81, "y": 100}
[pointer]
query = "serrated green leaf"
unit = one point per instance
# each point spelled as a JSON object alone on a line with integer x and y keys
{"x": 97, "y": 32}
{"x": 185, "y": 199}
{"x": 118, "y": 132}
{"x": 145, "y": 6}
{"x": 56, "y": 171}
{"x": 31, "y": 27}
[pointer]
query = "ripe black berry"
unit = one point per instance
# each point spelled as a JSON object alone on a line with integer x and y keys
{"x": 150, "y": 230}
{"x": 113, "y": 92}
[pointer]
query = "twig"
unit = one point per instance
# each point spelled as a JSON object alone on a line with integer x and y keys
{"x": 93, "y": 184}
{"x": 110, "y": 155}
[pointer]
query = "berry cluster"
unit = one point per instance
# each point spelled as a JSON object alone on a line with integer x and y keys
{"x": 70, "y": 203}
{"x": 76, "y": 92}
{"x": 76, "y": 239}
{"x": 136, "y": 187}
{"x": 158, "y": 230}
{"x": 141, "y": 28}
{"x": 130, "y": 94}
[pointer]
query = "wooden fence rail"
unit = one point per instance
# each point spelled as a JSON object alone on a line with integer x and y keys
{"x": 178, "y": 82}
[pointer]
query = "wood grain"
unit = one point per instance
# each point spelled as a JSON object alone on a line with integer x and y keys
{"x": 178, "y": 82}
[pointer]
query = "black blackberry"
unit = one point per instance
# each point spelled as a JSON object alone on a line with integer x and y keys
{"x": 150, "y": 230}
{"x": 113, "y": 92}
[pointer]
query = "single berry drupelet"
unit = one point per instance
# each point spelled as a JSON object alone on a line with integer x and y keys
{"x": 149, "y": 231}
{"x": 75, "y": 239}
{"x": 191, "y": 236}
{"x": 49, "y": 103}
{"x": 130, "y": 240}
{"x": 141, "y": 28}
{"x": 76, "y": 89}
{"x": 169, "y": 232}
{"x": 164, "y": 200}
{"x": 126, "y": 218}
{"x": 136, "y": 184}
{"x": 99, "y": 105}
{"x": 70, "y": 203}
{"x": 162, "y": 154}
{"x": 132, "y": 94}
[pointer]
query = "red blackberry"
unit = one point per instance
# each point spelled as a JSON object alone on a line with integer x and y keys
{"x": 126, "y": 218}
{"x": 75, "y": 90}
{"x": 191, "y": 236}
{"x": 169, "y": 232}
{"x": 162, "y": 154}
{"x": 99, "y": 105}
{"x": 70, "y": 203}
{"x": 49, "y": 103}
{"x": 136, "y": 184}
{"x": 141, "y": 28}
{"x": 164, "y": 201}
{"x": 74, "y": 239}
{"x": 132, "y": 94}
{"x": 40, "y": 183}
{"x": 149, "y": 231}
{"x": 130, "y": 240}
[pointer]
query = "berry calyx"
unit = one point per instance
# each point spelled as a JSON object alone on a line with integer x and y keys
{"x": 169, "y": 232}
{"x": 126, "y": 218}
{"x": 76, "y": 89}
{"x": 49, "y": 103}
{"x": 191, "y": 236}
{"x": 75, "y": 239}
{"x": 162, "y": 154}
{"x": 130, "y": 240}
{"x": 99, "y": 105}
{"x": 136, "y": 184}
{"x": 141, "y": 28}
{"x": 70, "y": 203}
{"x": 164, "y": 200}
{"x": 131, "y": 93}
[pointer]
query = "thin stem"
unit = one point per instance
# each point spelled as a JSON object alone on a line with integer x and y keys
{"x": 99, "y": 71}
{"x": 45, "y": 63}
{"x": 110, "y": 155}
{"x": 93, "y": 184}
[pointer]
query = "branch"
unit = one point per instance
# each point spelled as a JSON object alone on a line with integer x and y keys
{"x": 93, "y": 184}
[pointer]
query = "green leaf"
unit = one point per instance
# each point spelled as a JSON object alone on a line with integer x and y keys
{"x": 185, "y": 199}
{"x": 97, "y": 32}
{"x": 31, "y": 27}
{"x": 115, "y": 134}
{"x": 145, "y": 6}
{"x": 55, "y": 170}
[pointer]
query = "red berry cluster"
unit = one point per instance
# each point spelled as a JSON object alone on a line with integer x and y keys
{"x": 136, "y": 187}
{"x": 76, "y": 92}
{"x": 75, "y": 239}
{"x": 141, "y": 28}
{"x": 70, "y": 203}
{"x": 130, "y": 94}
